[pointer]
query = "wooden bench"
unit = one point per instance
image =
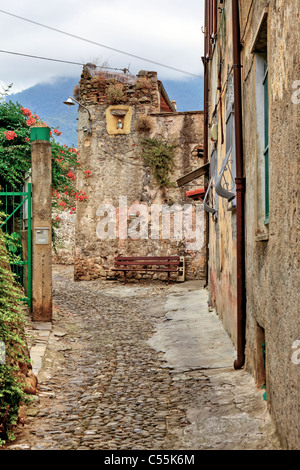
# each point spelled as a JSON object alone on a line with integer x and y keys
{"x": 157, "y": 264}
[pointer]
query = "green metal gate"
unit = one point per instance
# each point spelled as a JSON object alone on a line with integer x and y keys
{"x": 17, "y": 229}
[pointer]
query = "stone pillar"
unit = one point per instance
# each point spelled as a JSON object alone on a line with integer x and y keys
{"x": 41, "y": 231}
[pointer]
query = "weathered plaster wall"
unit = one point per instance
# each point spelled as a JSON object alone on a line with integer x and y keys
{"x": 273, "y": 251}
{"x": 222, "y": 228}
{"x": 65, "y": 239}
{"x": 118, "y": 171}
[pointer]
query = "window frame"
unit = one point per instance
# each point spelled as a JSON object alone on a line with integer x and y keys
{"x": 266, "y": 143}
{"x": 229, "y": 162}
{"x": 259, "y": 49}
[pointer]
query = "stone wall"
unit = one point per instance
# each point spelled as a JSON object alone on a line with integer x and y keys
{"x": 64, "y": 250}
{"x": 121, "y": 179}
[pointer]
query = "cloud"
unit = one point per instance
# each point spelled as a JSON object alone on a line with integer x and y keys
{"x": 166, "y": 32}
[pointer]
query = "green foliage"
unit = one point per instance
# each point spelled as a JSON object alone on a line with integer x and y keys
{"x": 46, "y": 100}
{"x": 12, "y": 337}
{"x": 159, "y": 156}
{"x": 14, "y": 154}
{"x": 15, "y": 158}
{"x": 15, "y": 161}
{"x": 15, "y": 150}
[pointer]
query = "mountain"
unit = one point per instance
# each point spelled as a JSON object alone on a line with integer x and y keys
{"x": 46, "y": 100}
{"x": 187, "y": 94}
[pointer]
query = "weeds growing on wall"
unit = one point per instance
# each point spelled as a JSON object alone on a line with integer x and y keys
{"x": 159, "y": 156}
{"x": 115, "y": 94}
{"x": 13, "y": 348}
{"x": 144, "y": 123}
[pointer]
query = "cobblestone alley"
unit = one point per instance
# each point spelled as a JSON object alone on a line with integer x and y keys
{"x": 119, "y": 371}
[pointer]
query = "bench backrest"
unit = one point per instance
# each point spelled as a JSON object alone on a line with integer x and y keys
{"x": 147, "y": 260}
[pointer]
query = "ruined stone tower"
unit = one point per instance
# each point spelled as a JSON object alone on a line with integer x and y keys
{"x": 124, "y": 111}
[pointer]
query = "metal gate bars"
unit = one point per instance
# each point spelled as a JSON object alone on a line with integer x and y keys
{"x": 16, "y": 205}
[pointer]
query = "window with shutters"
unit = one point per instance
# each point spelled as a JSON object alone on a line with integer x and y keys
{"x": 210, "y": 202}
{"x": 212, "y": 25}
{"x": 266, "y": 141}
{"x": 261, "y": 137}
{"x": 225, "y": 182}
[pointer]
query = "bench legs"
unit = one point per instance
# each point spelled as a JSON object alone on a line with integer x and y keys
{"x": 157, "y": 271}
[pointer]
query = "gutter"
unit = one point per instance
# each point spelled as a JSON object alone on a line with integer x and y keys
{"x": 240, "y": 190}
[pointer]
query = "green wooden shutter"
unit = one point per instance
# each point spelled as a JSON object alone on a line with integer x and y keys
{"x": 266, "y": 149}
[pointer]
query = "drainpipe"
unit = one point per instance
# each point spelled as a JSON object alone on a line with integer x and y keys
{"x": 205, "y": 110}
{"x": 240, "y": 190}
{"x": 205, "y": 63}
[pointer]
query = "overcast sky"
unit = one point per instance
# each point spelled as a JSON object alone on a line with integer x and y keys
{"x": 163, "y": 31}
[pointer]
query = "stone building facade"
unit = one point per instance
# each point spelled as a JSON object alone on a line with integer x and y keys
{"x": 251, "y": 120}
{"x": 127, "y": 211}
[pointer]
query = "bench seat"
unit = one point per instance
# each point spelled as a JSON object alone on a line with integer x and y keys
{"x": 159, "y": 264}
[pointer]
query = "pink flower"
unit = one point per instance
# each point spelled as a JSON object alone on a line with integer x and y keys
{"x": 10, "y": 135}
{"x": 30, "y": 121}
{"x": 26, "y": 112}
{"x": 71, "y": 175}
{"x": 56, "y": 131}
{"x": 80, "y": 196}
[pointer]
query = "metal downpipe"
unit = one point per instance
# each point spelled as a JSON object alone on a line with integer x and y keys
{"x": 205, "y": 131}
{"x": 240, "y": 190}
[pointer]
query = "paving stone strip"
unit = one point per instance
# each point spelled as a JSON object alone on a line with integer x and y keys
{"x": 102, "y": 387}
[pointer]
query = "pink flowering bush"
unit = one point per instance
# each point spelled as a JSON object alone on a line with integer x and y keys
{"x": 15, "y": 158}
{"x": 10, "y": 135}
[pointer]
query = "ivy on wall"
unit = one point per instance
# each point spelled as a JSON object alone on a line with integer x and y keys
{"x": 159, "y": 156}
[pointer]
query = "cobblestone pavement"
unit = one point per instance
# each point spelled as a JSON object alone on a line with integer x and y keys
{"x": 103, "y": 387}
